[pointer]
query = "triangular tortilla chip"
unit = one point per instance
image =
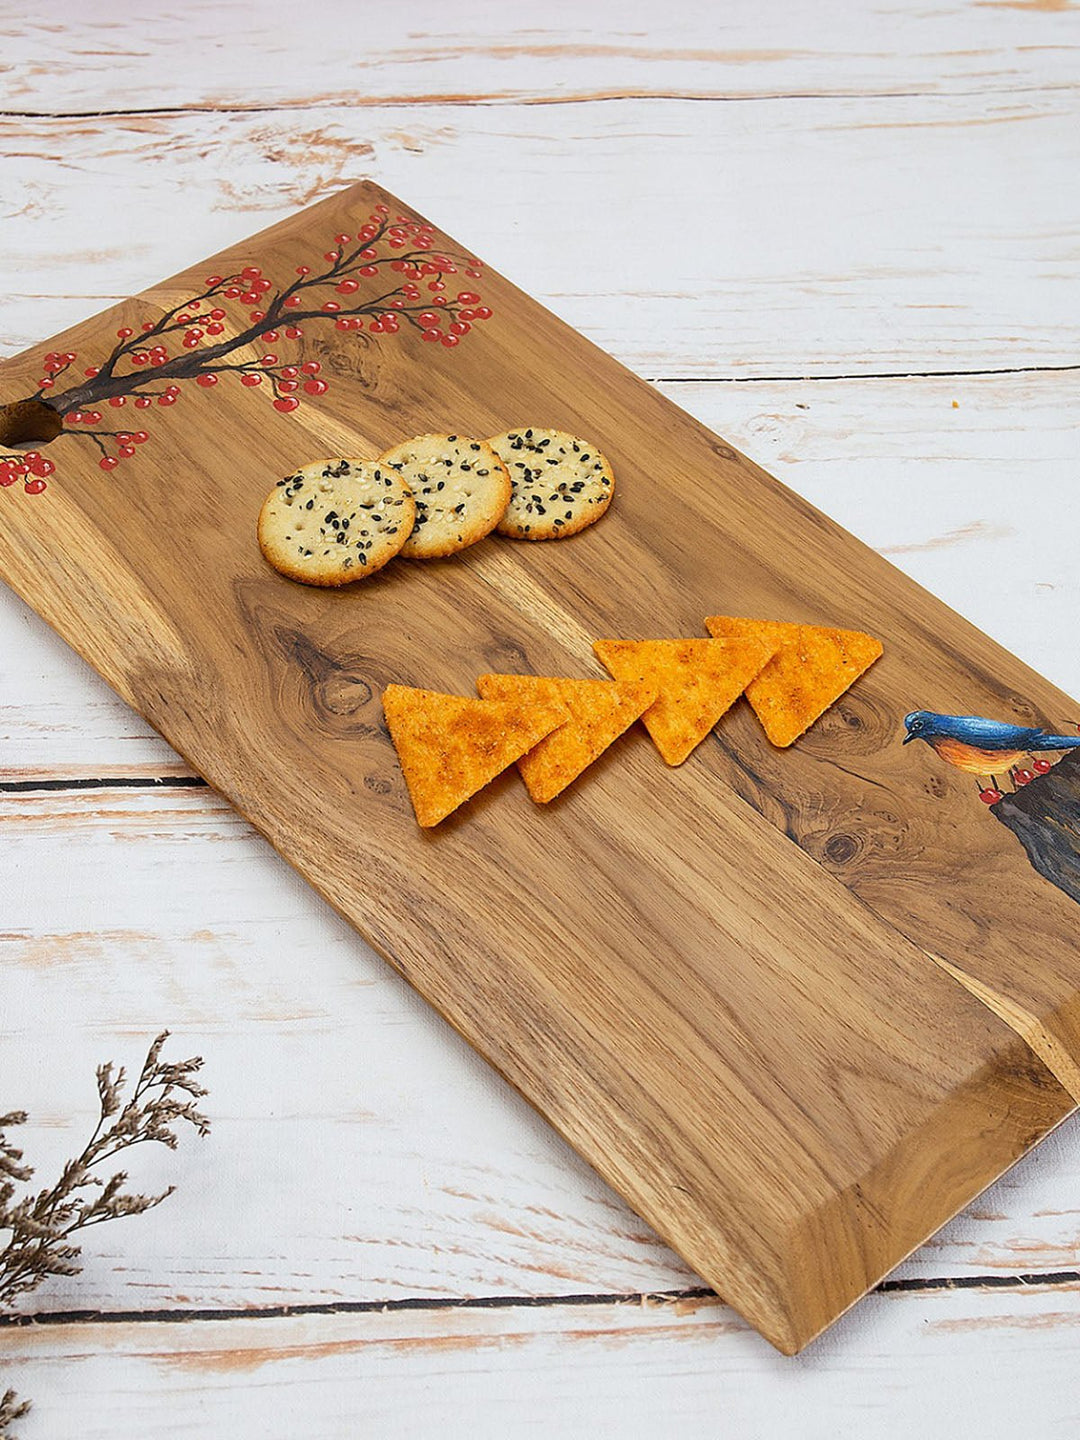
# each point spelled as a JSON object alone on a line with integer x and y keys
{"x": 600, "y": 710}
{"x": 809, "y": 672}
{"x": 696, "y": 681}
{"x": 450, "y": 746}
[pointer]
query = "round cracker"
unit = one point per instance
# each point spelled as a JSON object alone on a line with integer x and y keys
{"x": 461, "y": 488}
{"x": 561, "y": 484}
{"x": 335, "y": 521}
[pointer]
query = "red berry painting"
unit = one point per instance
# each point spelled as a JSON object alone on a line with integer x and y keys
{"x": 387, "y": 278}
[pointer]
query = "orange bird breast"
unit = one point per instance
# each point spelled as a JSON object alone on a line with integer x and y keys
{"x": 971, "y": 758}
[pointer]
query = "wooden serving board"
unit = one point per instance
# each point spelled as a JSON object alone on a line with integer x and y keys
{"x": 798, "y": 1007}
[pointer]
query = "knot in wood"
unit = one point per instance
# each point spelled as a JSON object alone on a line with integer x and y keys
{"x": 841, "y": 849}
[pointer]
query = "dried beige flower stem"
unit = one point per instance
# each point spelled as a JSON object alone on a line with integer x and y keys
{"x": 41, "y": 1226}
{"x": 11, "y": 1409}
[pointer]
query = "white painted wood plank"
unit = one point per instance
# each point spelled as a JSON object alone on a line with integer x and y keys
{"x": 689, "y": 239}
{"x": 360, "y": 1150}
{"x": 979, "y": 503}
{"x": 957, "y": 1364}
{"x": 369, "y": 1152}
{"x": 208, "y": 54}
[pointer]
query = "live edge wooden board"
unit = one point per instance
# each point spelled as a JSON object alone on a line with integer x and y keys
{"x": 797, "y": 1006}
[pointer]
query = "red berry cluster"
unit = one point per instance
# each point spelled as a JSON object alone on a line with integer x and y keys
{"x": 1020, "y": 777}
{"x": 54, "y": 364}
{"x": 30, "y": 467}
{"x": 126, "y": 442}
{"x": 285, "y": 380}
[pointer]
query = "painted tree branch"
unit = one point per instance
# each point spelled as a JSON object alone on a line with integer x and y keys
{"x": 145, "y": 367}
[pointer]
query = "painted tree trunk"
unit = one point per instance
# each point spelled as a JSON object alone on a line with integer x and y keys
{"x": 1045, "y": 817}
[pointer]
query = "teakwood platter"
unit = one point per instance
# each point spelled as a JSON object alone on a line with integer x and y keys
{"x": 773, "y": 997}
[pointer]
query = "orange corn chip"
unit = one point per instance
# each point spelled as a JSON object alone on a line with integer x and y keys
{"x": 696, "y": 681}
{"x": 600, "y": 710}
{"x": 450, "y": 746}
{"x": 811, "y": 669}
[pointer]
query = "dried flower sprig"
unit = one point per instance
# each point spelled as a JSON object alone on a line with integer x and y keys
{"x": 41, "y": 1226}
{"x": 11, "y": 1409}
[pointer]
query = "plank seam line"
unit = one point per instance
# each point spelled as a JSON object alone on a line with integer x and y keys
{"x": 1064, "y": 368}
{"x": 917, "y": 1284}
{"x": 508, "y": 98}
{"x": 120, "y": 782}
{"x": 858, "y": 375}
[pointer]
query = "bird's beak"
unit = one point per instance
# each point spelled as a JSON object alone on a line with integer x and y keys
{"x": 909, "y": 737}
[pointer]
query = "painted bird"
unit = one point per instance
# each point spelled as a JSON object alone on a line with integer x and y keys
{"x": 979, "y": 746}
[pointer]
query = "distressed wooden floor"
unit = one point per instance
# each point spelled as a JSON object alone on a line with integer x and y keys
{"x": 873, "y": 216}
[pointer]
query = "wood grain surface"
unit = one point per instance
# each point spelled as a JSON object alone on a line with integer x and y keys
{"x": 785, "y": 1111}
{"x": 125, "y": 905}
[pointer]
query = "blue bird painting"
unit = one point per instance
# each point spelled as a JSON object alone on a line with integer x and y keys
{"x": 1043, "y": 809}
{"x": 984, "y": 747}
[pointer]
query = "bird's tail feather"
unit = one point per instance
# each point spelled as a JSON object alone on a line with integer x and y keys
{"x": 1056, "y": 742}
